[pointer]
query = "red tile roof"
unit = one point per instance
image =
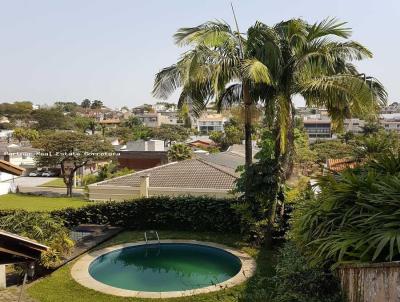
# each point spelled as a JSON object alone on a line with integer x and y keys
{"x": 340, "y": 164}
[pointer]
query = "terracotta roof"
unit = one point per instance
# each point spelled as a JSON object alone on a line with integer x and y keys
{"x": 192, "y": 173}
{"x": 340, "y": 164}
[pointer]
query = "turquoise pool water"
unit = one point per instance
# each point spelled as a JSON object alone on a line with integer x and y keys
{"x": 165, "y": 267}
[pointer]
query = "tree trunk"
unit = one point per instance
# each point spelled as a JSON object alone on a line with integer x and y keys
{"x": 247, "y": 124}
{"x": 70, "y": 184}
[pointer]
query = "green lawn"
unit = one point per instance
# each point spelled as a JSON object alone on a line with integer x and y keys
{"x": 60, "y": 287}
{"x": 39, "y": 203}
{"x": 56, "y": 183}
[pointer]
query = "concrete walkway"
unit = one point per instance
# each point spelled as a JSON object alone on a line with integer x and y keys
{"x": 11, "y": 294}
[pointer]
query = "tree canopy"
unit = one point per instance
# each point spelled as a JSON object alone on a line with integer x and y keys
{"x": 71, "y": 151}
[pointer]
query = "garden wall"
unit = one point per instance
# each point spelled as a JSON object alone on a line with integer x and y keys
{"x": 377, "y": 282}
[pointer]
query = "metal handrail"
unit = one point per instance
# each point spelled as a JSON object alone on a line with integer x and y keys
{"x": 153, "y": 232}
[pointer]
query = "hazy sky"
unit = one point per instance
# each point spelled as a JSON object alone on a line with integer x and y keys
{"x": 54, "y": 50}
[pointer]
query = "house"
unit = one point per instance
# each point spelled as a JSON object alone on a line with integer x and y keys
{"x": 202, "y": 142}
{"x": 390, "y": 121}
{"x": 206, "y": 174}
{"x": 6, "y": 135}
{"x": 153, "y": 120}
{"x": 392, "y": 108}
{"x": 211, "y": 122}
{"x": 354, "y": 125}
{"x": 140, "y": 155}
{"x": 318, "y": 128}
{"x": 110, "y": 123}
{"x": 4, "y": 120}
{"x": 7, "y": 172}
{"x": 195, "y": 177}
{"x": 22, "y": 156}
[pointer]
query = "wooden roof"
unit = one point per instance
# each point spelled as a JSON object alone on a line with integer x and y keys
{"x": 15, "y": 249}
{"x": 7, "y": 167}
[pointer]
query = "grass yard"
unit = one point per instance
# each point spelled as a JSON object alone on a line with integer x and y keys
{"x": 39, "y": 203}
{"x": 60, "y": 287}
{"x": 56, "y": 183}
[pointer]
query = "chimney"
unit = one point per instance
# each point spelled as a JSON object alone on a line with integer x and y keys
{"x": 144, "y": 186}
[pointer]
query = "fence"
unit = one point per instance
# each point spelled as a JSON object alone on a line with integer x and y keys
{"x": 377, "y": 282}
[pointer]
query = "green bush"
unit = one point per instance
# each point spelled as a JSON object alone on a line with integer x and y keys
{"x": 89, "y": 179}
{"x": 296, "y": 280}
{"x": 332, "y": 149}
{"x": 173, "y": 213}
{"x": 355, "y": 218}
{"x": 43, "y": 228}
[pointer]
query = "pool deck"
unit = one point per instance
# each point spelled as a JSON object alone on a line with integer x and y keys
{"x": 80, "y": 272}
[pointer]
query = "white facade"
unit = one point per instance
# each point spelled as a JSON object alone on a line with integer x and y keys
{"x": 354, "y": 125}
{"x": 211, "y": 122}
{"x": 390, "y": 122}
{"x": 4, "y": 134}
{"x": 142, "y": 145}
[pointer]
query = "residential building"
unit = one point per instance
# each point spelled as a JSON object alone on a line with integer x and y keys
{"x": 318, "y": 128}
{"x": 4, "y": 120}
{"x": 354, "y": 125}
{"x": 201, "y": 142}
{"x": 392, "y": 108}
{"x": 140, "y": 155}
{"x": 206, "y": 174}
{"x": 194, "y": 177}
{"x": 5, "y": 135}
{"x": 390, "y": 121}
{"x": 110, "y": 123}
{"x": 211, "y": 122}
{"x": 153, "y": 120}
{"x": 22, "y": 156}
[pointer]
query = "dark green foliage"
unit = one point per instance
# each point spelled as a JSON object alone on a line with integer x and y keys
{"x": 178, "y": 213}
{"x": 262, "y": 186}
{"x": 356, "y": 216}
{"x": 297, "y": 281}
{"x": 44, "y": 228}
{"x": 291, "y": 279}
{"x": 332, "y": 149}
{"x": 50, "y": 119}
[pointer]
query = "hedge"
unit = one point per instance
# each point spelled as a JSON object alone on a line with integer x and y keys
{"x": 173, "y": 213}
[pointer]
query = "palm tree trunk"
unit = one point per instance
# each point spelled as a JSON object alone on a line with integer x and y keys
{"x": 247, "y": 125}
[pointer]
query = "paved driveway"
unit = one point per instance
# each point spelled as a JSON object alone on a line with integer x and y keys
{"x": 26, "y": 181}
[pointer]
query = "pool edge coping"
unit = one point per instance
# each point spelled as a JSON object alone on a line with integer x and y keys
{"x": 80, "y": 272}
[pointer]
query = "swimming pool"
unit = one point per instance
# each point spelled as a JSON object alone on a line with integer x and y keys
{"x": 165, "y": 269}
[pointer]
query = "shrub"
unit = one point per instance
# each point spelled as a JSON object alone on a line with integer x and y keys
{"x": 89, "y": 179}
{"x": 174, "y": 213}
{"x": 43, "y": 228}
{"x": 296, "y": 280}
{"x": 332, "y": 149}
{"x": 292, "y": 279}
{"x": 356, "y": 216}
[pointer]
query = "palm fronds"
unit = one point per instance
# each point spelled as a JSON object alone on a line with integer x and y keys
{"x": 356, "y": 216}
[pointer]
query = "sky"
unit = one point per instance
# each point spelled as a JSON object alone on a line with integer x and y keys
{"x": 110, "y": 50}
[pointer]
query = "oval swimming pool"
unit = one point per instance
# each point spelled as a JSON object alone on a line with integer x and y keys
{"x": 165, "y": 267}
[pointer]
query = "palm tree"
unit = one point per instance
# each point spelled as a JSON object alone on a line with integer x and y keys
{"x": 219, "y": 57}
{"x": 272, "y": 65}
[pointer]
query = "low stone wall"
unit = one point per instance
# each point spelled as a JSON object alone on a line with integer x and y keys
{"x": 377, "y": 282}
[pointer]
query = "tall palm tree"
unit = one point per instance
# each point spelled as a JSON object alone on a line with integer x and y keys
{"x": 219, "y": 57}
{"x": 272, "y": 65}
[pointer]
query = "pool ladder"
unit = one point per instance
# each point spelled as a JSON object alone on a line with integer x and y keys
{"x": 147, "y": 241}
